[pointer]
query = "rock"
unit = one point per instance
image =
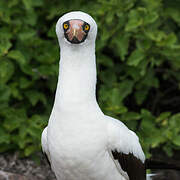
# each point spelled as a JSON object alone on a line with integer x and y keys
{"x": 11, "y": 176}
{"x": 24, "y": 167}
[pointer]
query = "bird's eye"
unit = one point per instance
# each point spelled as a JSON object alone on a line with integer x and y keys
{"x": 86, "y": 28}
{"x": 66, "y": 26}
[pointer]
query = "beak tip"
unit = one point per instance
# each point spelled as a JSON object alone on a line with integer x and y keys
{"x": 74, "y": 32}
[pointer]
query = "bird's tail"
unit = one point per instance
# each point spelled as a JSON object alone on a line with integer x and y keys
{"x": 150, "y": 176}
{"x": 158, "y": 164}
{"x": 171, "y": 170}
{"x": 164, "y": 175}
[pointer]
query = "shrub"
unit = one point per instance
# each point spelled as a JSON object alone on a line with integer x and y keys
{"x": 138, "y": 60}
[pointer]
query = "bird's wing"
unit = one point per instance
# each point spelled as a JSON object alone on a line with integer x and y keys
{"x": 45, "y": 144}
{"x": 125, "y": 150}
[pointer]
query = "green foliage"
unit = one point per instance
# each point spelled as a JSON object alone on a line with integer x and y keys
{"x": 138, "y": 56}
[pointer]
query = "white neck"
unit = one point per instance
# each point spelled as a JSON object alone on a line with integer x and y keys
{"x": 77, "y": 75}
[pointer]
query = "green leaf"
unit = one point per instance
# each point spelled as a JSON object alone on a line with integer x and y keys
{"x": 110, "y": 17}
{"x": 141, "y": 95}
{"x": 23, "y": 131}
{"x": 29, "y": 150}
{"x": 136, "y": 57}
{"x": 156, "y": 35}
{"x": 125, "y": 88}
{"x": 14, "y": 119}
{"x": 34, "y": 132}
{"x": 5, "y": 34}
{"x": 105, "y": 61}
{"x": 18, "y": 56}
{"x": 4, "y": 93}
{"x": 135, "y": 20}
{"x": 27, "y": 34}
{"x": 174, "y": 13}
{"x": 24, "y": 83}
{"x": 131, "y": 116}
{"x": 27, "y": 3}
{"x": 4, "y": 46}
{"x": 6, "y": 70}
{"x": 116, "y": 109}
{"x": 147, "y": 115}
{"x": 35, "y": 96}
{"x": 27, "y": 69}
{"x": 22, "y": 142}
{"x": 175, "y": 120}
{"x": 4, "y": 136}
{"x": 143, "y": 44}
{"x": 44, "y": 70}
{"x": 150, "y": 79}
{"x": 163, "y": 116}
{"x": 122, "y": 42}
{"x": 150, "y": 18}
{"x": 15, "y": 91}
{"x": 176, "y": 140}
{"x": 108, "y": 76}
{"x": 115, "y": 97}
{"x": 169, "y": 41}
{"x": 38, "y": 121}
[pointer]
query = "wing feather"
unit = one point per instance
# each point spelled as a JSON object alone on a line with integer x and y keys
{"x": 126, "y": 150}
{"x": 45, "y": 145}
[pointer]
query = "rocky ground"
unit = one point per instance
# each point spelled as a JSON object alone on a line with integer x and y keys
{"x": 14, "y": 168}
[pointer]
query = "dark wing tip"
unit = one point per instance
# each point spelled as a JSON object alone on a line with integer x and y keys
{"x": 133, "y": 166}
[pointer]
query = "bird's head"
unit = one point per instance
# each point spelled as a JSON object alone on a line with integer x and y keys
{"x": 76, "y": 28}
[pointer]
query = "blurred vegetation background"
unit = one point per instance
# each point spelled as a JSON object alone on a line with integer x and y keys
{"x": 138, "y": 61}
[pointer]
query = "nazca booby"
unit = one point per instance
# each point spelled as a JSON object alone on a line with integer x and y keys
{"x": 81, "y": 142}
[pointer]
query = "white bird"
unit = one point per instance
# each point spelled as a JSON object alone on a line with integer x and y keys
{"x": 81, "y": 142}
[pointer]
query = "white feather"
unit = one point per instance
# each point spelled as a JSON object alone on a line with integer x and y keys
{"x": 44, "y": 140}
{"x": 44, "y": 143}
{"x": 123, "y": 140}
